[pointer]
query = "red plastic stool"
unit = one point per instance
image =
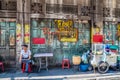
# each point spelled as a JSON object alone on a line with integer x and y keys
{"x": 1, "y": 65}
{"x": 24, "y": 65}
{"x": 65, "y": 63}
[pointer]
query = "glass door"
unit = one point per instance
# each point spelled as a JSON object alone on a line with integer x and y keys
{"x": 7, "y": 42}
{"x": 109, "y": 32}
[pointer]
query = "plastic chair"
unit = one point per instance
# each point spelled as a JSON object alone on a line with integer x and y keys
{"x": 65, "y": 63}
{"x": 2, "y": 66}
{"x": 29, "y": 67}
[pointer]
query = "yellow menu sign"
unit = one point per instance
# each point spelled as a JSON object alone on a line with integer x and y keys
{"x": 66, "y": 31}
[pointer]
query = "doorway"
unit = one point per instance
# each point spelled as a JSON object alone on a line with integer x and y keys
{"x": 8, "y": 42}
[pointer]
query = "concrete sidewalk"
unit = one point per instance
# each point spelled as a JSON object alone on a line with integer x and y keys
{"x": 53, "y": 74}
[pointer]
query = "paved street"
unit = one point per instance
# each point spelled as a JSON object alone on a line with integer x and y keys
{"x": 108, "y": 76}
{"x": 60, "y": 74}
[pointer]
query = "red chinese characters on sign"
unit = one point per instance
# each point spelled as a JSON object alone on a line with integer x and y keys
{"x": 27, "y": 34}
{"x": 38, "y": 40}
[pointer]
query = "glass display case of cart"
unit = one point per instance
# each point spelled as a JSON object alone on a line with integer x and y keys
{"x": 98, "y": 49}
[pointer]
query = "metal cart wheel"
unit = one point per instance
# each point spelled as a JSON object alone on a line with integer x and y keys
{"x": 103, "y": 67}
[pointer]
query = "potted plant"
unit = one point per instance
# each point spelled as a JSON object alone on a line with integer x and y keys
{"x": 76, "y": 59}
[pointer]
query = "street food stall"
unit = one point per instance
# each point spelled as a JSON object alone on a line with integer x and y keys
{"x": 104, "y": 55}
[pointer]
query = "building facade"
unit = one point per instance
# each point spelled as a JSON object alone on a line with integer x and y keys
{"x": 64, "y": 27}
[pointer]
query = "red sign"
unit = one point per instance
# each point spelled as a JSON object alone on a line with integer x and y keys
{"x": 38, "y": 40}
{"x": 98, "y": 38}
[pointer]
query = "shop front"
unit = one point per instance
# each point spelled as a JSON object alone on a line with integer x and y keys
{"x": 63, "y": 37}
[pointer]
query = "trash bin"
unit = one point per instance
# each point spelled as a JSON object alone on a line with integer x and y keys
{"x": 84, "y": 67}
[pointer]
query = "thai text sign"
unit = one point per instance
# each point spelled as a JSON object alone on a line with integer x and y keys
{"x": 66, "y": 31}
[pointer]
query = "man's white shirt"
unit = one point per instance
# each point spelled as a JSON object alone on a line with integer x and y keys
{"x": 25, "y": 54}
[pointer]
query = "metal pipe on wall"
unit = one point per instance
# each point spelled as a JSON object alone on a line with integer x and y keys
{"x": 60, "y": 2}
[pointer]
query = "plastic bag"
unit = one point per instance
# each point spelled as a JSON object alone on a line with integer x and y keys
{"x": 84, "y": 58}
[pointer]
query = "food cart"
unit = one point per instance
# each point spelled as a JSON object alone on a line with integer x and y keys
{"x": 104, "y": 56}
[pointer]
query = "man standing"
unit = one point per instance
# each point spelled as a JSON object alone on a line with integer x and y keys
{"x": 25, "y": 56}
